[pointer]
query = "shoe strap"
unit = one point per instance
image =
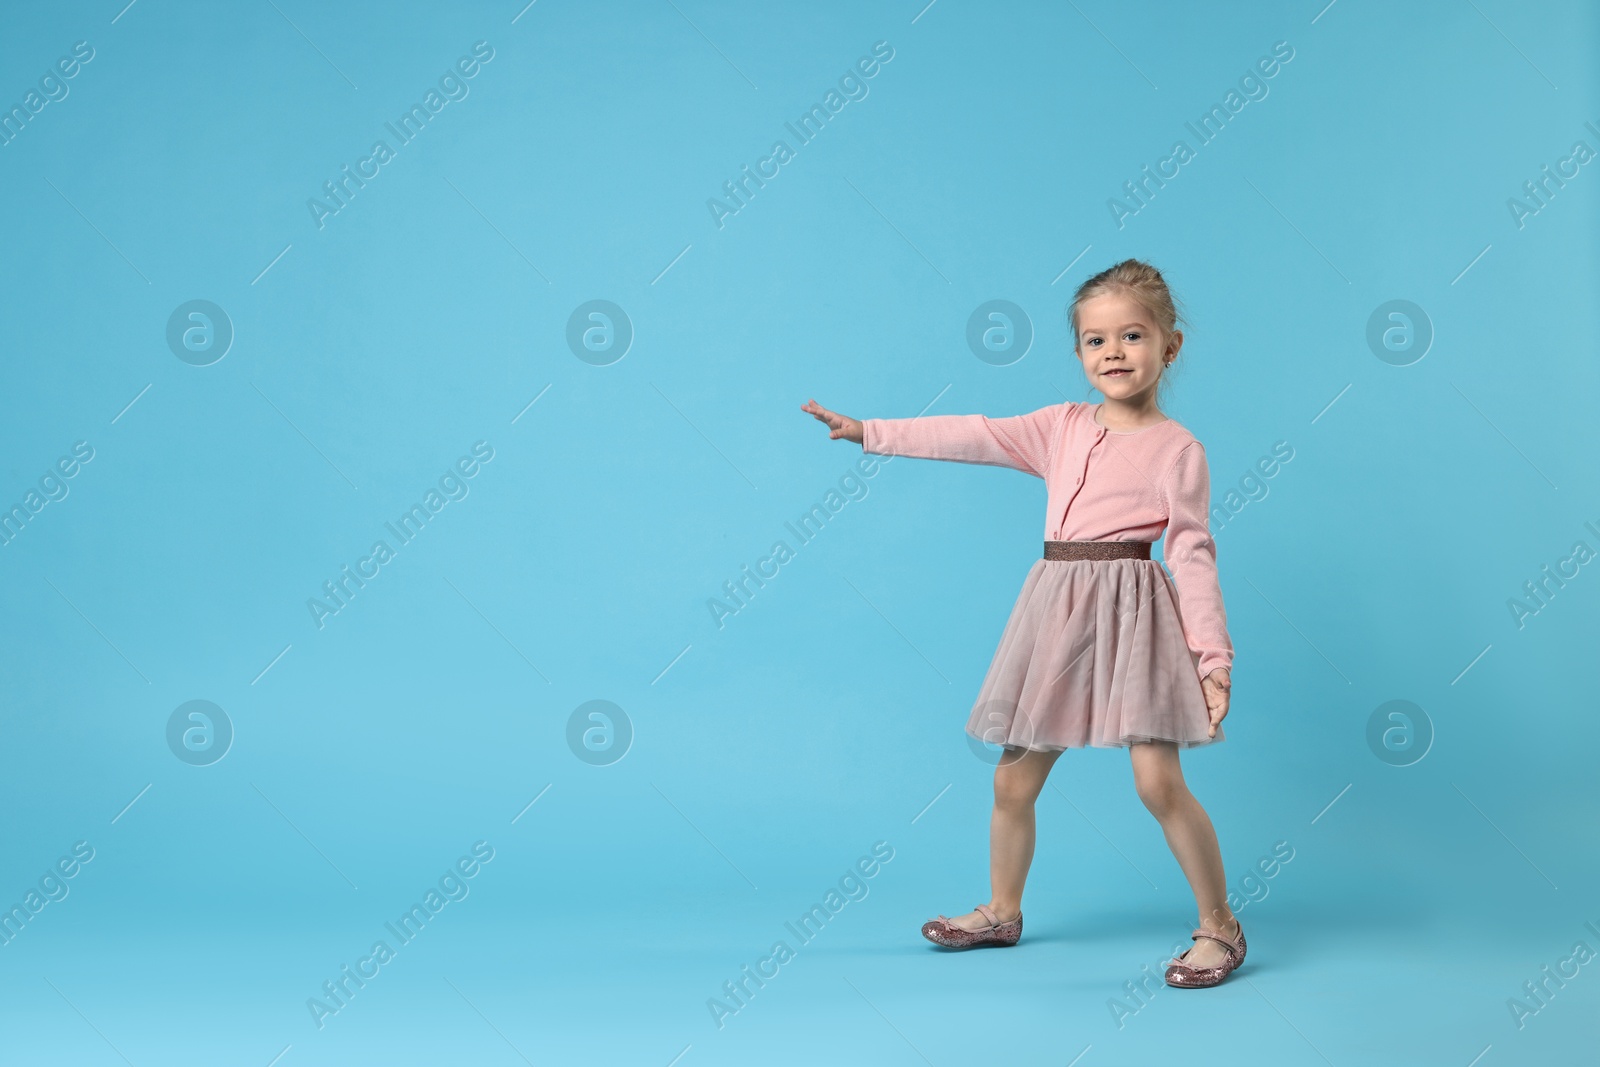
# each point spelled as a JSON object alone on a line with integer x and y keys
{"x": 1232, "y": 943}
{"x": 983, "y": 909}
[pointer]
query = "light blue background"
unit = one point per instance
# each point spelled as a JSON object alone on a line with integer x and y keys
{"x": 769, "y": 754}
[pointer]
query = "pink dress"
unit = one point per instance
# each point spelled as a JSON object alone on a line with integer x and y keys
{"x": 1096, "y": 652}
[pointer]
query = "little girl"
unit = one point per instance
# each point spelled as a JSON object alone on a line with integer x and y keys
{"x": 1096, "y": 651}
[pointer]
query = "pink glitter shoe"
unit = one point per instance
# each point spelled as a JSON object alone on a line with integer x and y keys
{"x": 1182, "y": 976}
{"x": 942, "y": 931}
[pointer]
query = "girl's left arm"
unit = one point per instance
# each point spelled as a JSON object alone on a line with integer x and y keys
{"x": 1191, "y": 554}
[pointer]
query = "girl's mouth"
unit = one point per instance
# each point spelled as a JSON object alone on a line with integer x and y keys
{"x": 1115, "y": 373}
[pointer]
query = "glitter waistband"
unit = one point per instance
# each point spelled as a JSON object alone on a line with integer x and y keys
{"x": 1068, "y": 550}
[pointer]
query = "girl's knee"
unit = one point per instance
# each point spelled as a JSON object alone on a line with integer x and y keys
{"x": 1160, "y": 793}
{"x": 1158, "y": 777}
{"x": 1015, "y": 797}
{"x": 1013, "y": 793}
{"x": 1019, "y": 780}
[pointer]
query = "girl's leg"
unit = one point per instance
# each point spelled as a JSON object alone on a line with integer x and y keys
{"x": 1158, "y": 777}
{"x": 1018, "y": 779}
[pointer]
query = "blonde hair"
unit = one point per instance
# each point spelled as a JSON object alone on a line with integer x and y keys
{"x": 1145, "y": 285}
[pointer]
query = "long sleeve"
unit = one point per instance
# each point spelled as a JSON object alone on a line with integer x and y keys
{"x": 1021, "y": 442}
{"x": 1191, "y": 554}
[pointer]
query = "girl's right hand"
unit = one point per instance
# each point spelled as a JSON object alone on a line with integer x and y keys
{"x": 840, "y": 426}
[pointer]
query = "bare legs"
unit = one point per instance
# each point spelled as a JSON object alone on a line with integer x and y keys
{"x": 1018, "y": 779}
{"x": 1158, "y": 777}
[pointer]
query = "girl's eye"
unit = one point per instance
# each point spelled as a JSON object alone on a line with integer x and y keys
{"x": 1132, "y": 333}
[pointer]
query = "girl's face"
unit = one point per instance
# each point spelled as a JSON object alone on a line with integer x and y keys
{"x": 1122, "y": 350}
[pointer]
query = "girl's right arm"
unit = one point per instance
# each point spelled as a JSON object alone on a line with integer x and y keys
{"x": 1021, "y": 442}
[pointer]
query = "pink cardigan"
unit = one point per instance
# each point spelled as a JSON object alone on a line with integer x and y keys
{"x": 1102, "y": 485}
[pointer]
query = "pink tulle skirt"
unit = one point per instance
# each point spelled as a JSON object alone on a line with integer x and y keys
{"x": 1093, "y": 655}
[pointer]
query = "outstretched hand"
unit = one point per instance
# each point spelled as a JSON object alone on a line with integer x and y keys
{"x": 1215, "y": 686}
{"x": 841, "y": 426}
